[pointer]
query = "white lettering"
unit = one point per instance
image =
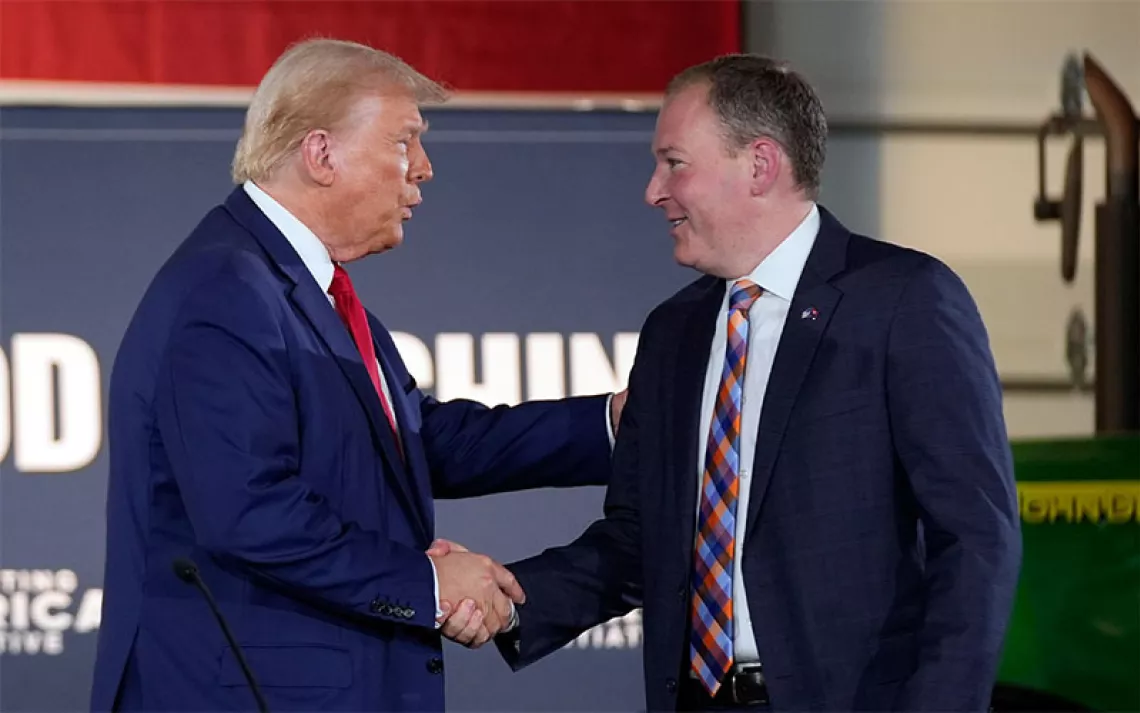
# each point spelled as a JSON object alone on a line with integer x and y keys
{"x": 42, "y": 580}
{"x": 53, "y": 643}
{"x": 5, "y": 408}
{"x": 90, "y": 613}
{"x": 503, "y": 379}
{"x": 32, "y": 642}
{"x": 590, "y": 368}
{"x": 37, "y": 608}
{"x": 66, "y": 580}
{"x": 38, "y": 361}
{"x": 45, "y": 611}
{"x": 545, "y": 367}
{"x": 416, "y": 358}
{"x": 18, "y": 610}
{"x": 455, "y": 375}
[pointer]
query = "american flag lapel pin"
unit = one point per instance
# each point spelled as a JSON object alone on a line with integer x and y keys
{"x": 809, "y": 313}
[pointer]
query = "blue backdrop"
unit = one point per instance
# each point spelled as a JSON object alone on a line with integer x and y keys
{"x": 526, "y": 273}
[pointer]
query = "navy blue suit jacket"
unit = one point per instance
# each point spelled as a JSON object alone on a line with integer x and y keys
{"x": 245, "y": 434}
{"x": 882, "y": 546}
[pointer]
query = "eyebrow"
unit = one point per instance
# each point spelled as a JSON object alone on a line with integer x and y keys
{"x": 664, "y": 150}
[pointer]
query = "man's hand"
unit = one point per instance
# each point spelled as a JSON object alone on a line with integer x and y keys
{"x": 617, "y": 403}
{"x": 483, "y": 588}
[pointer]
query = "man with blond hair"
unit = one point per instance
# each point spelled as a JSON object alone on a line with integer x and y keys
{"x": 264, "y": 428}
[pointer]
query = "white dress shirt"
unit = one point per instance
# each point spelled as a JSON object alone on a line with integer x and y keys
{"x": 778, "y": 275}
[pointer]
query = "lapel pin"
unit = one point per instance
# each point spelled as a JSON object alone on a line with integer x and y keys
{"x": 809, "y": 313}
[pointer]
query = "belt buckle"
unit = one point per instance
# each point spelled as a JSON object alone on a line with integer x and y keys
{"x": 737, "y": 697}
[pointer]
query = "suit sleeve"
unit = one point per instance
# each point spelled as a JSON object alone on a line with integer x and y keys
{"x": 475, "y": 450}
{"x": 945, "y": 404}
{"x": 597, "y": 577}
{"x": 228, "y": 419}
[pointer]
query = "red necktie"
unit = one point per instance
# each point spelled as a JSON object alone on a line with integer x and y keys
{"x": 350, "y": 309}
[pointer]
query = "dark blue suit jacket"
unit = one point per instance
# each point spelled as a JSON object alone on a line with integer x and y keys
{"x": 882, "y": 546}
{"x": 245, "y": 433}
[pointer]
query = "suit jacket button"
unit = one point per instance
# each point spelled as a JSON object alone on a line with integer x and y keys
{"x": 682, "y": 593}
{"x": 670, "y": 685}
{"x": 409, "y": 613}
{"x": 435, "y": 665}
{"x": 375, "y": 606}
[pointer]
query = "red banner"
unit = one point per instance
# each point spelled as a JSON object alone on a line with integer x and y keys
{"x": 472, "y": 45}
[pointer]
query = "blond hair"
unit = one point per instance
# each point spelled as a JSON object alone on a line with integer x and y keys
{"x": 314, "y": 85}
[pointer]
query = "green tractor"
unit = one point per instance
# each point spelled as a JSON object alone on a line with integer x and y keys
{"x": 1074, "y": 639}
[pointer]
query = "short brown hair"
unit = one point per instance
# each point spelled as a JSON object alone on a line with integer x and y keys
{"x": 756, "y": 96}
{"x": 315, "y": 84}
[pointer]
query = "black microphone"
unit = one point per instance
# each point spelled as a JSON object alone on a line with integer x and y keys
{"x": 187, "y": 571}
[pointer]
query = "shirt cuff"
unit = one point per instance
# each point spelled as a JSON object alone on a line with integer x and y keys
{"x": 514, "y": 621}
{"x": 609, "y": 421}
{"x": 435, "y": 584}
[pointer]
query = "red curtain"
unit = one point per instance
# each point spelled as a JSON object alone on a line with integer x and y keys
{"x": 473, "y": 45}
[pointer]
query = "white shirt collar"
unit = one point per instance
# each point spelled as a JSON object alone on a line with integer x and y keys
{"x": 779, "y": 273}
{"x": 311, "y": 250}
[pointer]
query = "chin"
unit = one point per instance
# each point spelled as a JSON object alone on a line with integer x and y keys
{"x": 386, "y": 242}
{"x": 684, "y": 256}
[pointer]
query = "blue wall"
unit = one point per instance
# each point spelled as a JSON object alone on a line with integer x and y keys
{"x": 533, "y": 224}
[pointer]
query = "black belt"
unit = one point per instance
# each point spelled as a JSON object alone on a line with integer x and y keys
{"x": 744, "y": 686}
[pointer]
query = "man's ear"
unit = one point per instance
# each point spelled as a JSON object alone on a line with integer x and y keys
{"x": 316, "y": 157}
{"x": 768, "y": 160}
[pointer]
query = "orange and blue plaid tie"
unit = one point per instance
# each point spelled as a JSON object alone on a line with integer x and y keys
{"x": 711, "y": 653}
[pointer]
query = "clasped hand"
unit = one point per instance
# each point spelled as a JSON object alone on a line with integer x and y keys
{"x": 475, "y": 594}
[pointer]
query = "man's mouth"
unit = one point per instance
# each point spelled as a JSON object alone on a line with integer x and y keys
{"x": 676, "y": 222}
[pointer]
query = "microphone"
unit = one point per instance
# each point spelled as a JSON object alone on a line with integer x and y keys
{"x": 187, "y": 571}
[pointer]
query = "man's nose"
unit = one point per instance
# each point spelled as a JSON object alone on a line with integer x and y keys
{"x": 420, "y": 169}
{"x": 655, "y": 191}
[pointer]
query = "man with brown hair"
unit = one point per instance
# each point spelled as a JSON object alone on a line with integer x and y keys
{"x": 813, "y": 496}
{"x": 263, "y": 425}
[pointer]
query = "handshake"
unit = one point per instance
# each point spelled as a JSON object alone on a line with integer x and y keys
{"x": 476, "y": 594}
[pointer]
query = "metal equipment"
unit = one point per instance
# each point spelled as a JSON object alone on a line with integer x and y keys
{"x": 1116, "y": 324}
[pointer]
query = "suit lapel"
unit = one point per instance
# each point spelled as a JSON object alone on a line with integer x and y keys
{"x": 315, "y": 305}
{"x": 333, "y": 332}
{"x": 692, "y": 364}
{"x": 414, "y": 474}
{"x": 813, "y": 305}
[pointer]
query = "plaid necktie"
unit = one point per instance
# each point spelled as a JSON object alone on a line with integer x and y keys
{"x": 711, "y": 646}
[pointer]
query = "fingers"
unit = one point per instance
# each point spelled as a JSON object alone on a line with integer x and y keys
{"x": 502, "y": 611}
{"x": 466, "y": 626}
{"x": 471, "y": 633}
{"x": 444, "y": 611}
{"x": 455, "y": 624}
{"x": 617, "y": 405}
{"x": 509, "y": 584}
{"x": 441, "y": 547}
